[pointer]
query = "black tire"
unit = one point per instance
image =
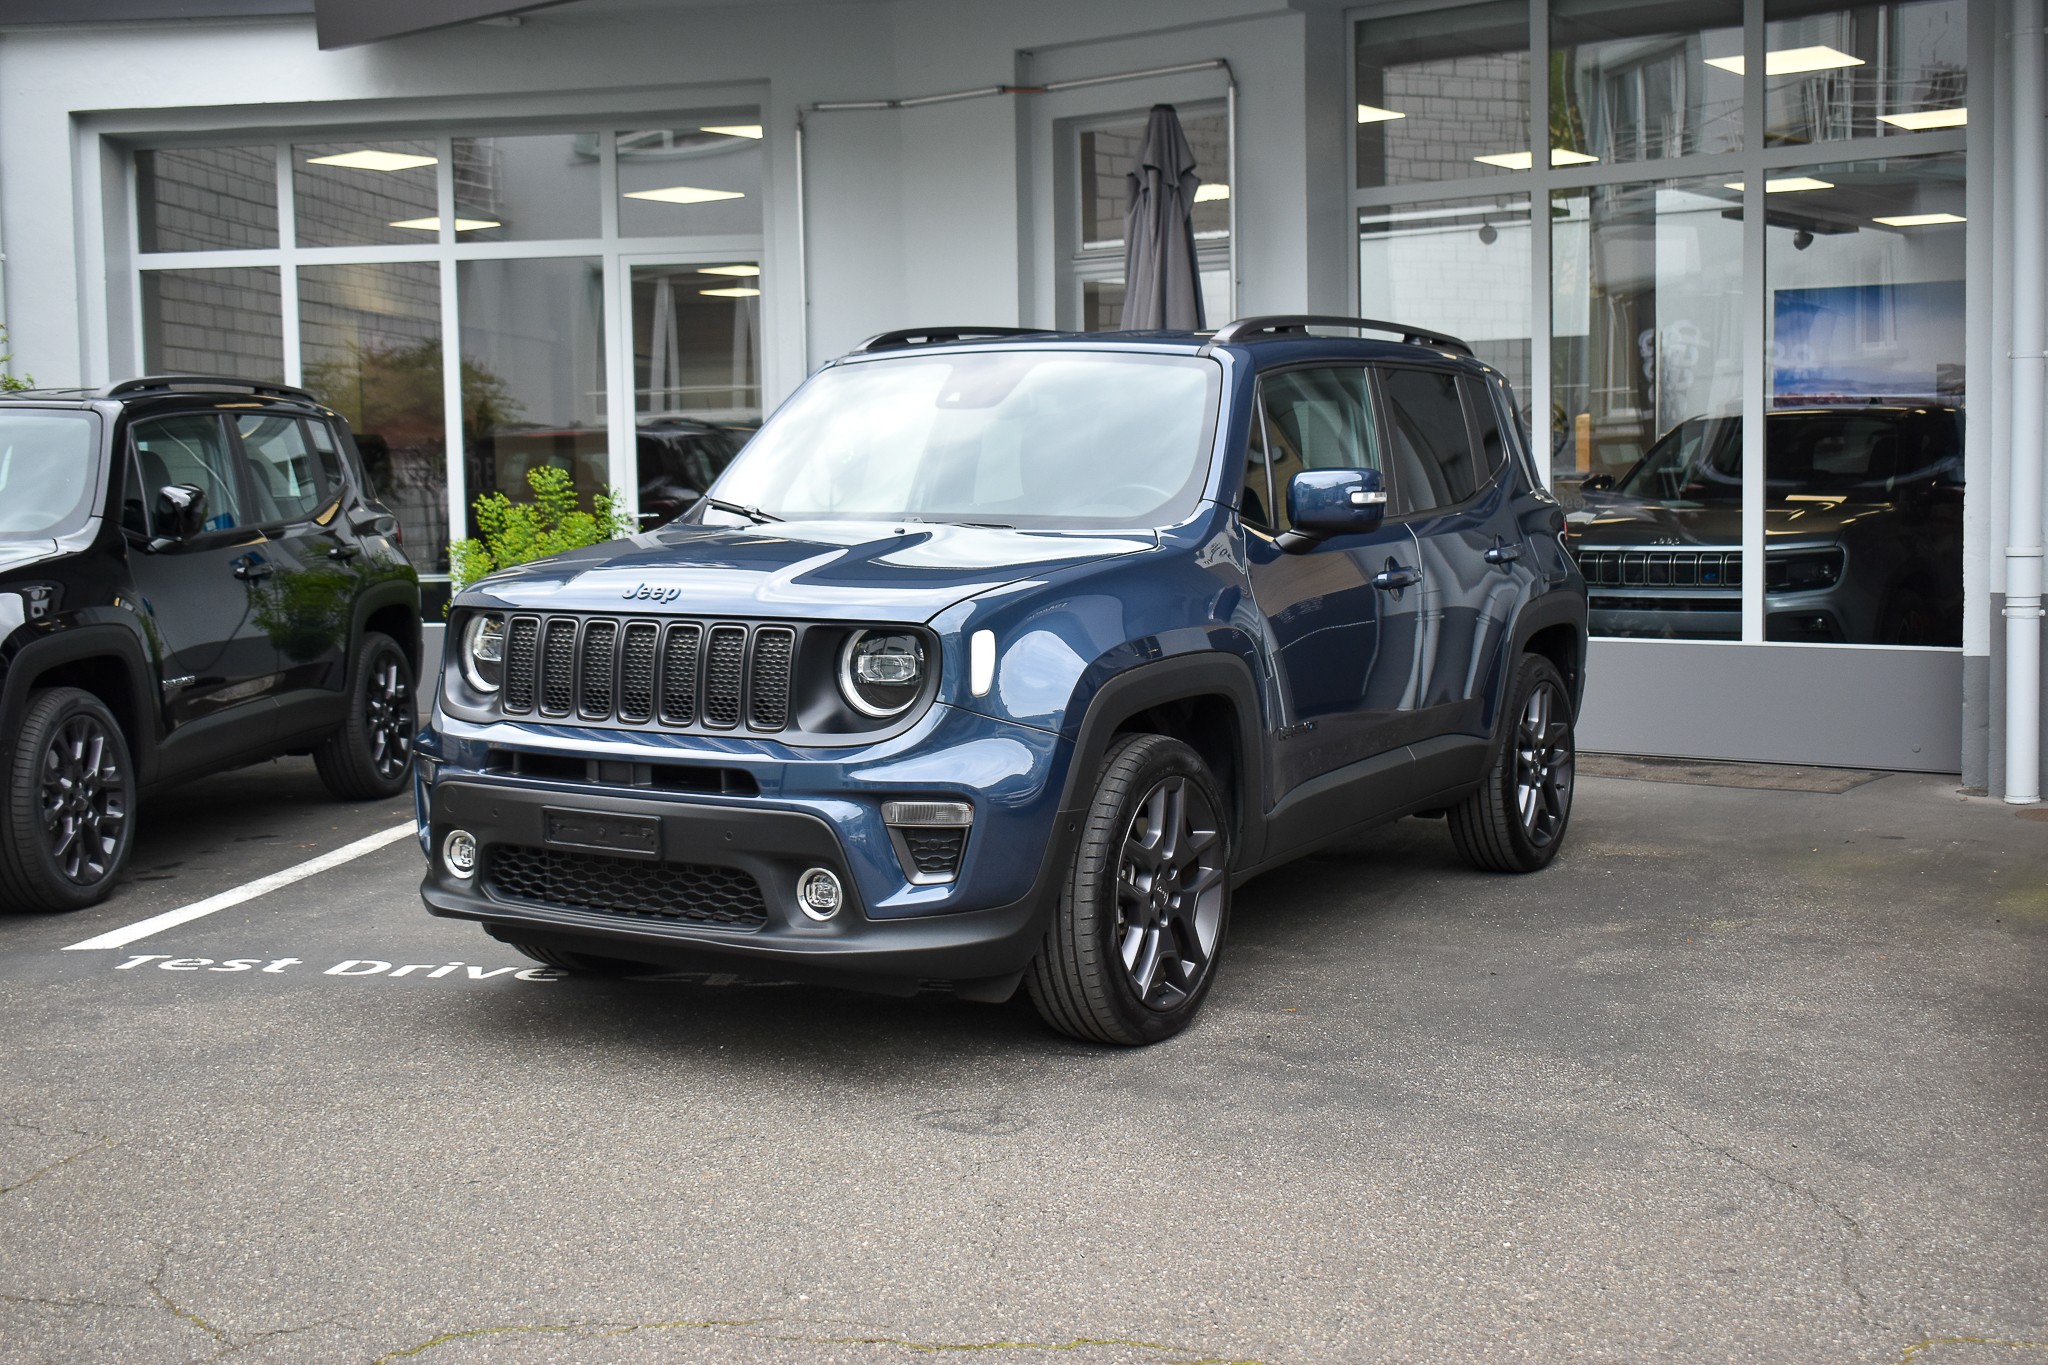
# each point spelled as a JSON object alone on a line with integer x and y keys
{"x": 70, "y": 804}
{"x": 369, "y": 756}
{"x": 577, "y": 964}
{"x": 1133, "y": 945}
{"x": 1516, "y": 820}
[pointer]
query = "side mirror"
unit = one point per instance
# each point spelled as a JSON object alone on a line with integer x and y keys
{"x": 1335, "y": 502}
{"x": 180, "y": 512}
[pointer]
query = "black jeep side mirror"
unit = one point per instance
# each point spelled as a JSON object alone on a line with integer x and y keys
{"x": 180, "y": 513}
{"x": 1334, "y": 502}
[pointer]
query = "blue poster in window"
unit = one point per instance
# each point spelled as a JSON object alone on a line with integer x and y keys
{"x": 1867, "y": 343}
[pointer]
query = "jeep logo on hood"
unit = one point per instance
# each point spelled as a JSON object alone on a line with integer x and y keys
{"x": 647, "y": 592}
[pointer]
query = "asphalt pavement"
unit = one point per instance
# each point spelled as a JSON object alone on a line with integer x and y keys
{"x": 1749, "y": 1075}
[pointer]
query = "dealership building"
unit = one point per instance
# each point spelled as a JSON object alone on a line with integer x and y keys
{"x": 1771, "y": 268}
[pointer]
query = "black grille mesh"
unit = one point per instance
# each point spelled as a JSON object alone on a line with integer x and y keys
{"x": 693, "y": 892}
{"x": 936, "y": 851}
{"x": 558, "y": 668}
{"x": 679, "y": 675}
{"x": 724, "y": 675}
{"x": 520, "y": 643}
{"x": 636, "y": 672}
{"x": 768, "y": 699}
{"x": 599, "y": 640}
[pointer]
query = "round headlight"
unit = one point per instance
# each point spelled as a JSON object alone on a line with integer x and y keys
{"x": 483, "y": 652}
{"x": 881, "y": 672}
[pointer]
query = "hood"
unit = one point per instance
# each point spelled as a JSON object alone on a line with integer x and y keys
{"x": 20, "y": 554}
{"x": 1607, "y": 519}
{"x": 815, "y": 570}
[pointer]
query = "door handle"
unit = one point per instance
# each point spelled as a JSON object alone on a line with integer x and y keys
{"x": 1503, "y": 553}
{"x": 249, "y": 569}
{"x": 1395, "y": 577}
{"x": 344, "y": 552}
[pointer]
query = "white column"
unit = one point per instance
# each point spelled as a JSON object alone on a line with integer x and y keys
{"x": 2029, "y": 378}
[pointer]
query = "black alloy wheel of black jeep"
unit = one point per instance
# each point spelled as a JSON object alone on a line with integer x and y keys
{"x": 1515, "y": 821}
{"x": 370, "y": 756}
{"x": 1133, "y": 945}
{"x": 70, "y": 798}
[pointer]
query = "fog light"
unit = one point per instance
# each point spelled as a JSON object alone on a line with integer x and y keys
{"x": 818, "y": 894}
{"x": 458, "y": 851}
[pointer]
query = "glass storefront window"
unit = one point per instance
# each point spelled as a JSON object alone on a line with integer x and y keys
{"x": 1646, "y": 402}
{"x": 696, "y": 377}
{"x": 533, "y": 379}
{"x": 537, "y": 188}
{"x": 1833, "y": 71}
{"x": 366, "y": 192}
{"x": 206, "y": 198}
{"x": 698, "y": 179}
{"x": 1443, "y": 94}
{"x": 213, "y": 322}
{"x": 1638, "y": 81}
{"x": 370, "y": 338}
{"x": 1864, "y": 435}
{"x": 1455, "y": 265}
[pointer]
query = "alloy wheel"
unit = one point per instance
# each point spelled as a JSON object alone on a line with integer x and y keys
{"x": 390, "y": 716}
{"x": 1543, "y": 765}
{"x": 84, "y": 801}
{"x": 1169, "y": 893}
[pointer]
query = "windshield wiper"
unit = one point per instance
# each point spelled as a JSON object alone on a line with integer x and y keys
{"x": 753, "y": 514}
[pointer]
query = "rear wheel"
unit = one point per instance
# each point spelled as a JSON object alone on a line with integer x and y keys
{"x": 1516, "y": 821}
{"x": 369, "y": 757}
{"x": 71, "y": 799}
{"x": 1133, "y": 945}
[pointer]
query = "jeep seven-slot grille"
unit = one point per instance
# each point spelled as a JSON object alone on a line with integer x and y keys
{"x": 722, "y": 676}
{"x": 1651, "y": 568}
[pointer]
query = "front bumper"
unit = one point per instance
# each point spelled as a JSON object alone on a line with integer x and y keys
{"x": 890, "y": 933}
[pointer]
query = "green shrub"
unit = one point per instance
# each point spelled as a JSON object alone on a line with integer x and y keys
{"x": 8, "y": 383}
{"x": 521, "y": 532}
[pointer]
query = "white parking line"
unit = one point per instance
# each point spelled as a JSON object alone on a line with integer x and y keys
{"x": 248, "y": 891}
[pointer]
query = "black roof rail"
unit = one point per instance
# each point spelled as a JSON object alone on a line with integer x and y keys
{"x": 1251, "y": 329}
{"x": 937, "y": 336}
{"x": 204, "y": 383}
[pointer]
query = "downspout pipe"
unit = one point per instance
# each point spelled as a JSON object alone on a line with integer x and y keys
{"x": 2029, "y": 413}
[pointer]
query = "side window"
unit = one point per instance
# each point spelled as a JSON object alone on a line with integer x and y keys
{"x": 292, "y": 480}
{"x": 1315, "y": 419}
{"x": 1493, "y": 442}
{"x": 191, "y": 449}
{"x": 1431, "y": 447}
{"x": 1257, "y": 498}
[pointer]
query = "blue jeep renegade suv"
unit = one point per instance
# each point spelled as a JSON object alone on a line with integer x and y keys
{"x": 1004, "y": 656}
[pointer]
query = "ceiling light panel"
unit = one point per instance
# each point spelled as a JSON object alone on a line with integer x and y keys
{"x": 1522, "y": 161}
{"x": 1924, "y": 119}
{"x": 372, "y": 159}
{"x": 1791, "y": 61}
{"x": 1372, "y": 113}
{"x": 684, "y": 194}
{"x": 734, "y": 292}
{"x": 1919, "y": 219}
{"x": 752, "y": 130}
{"x": 434, "y": 224}
{"x": 1789, "y": 184}
{"x": 747, "y": 271}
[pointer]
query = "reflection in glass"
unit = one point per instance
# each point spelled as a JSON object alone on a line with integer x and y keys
{"x": 1834, "y": 71}
{"x": 522, "y": 189}
{"x": 1646, "y": 370}
{"x": 213, "y": 322}
{"x": 696, "y": 377}
{"x": 1109, "y": 156}
{"x": 533, "y": 387}
{"x": 690, "y": 180}
{"x": 1455, "y": 265}
{"x": 370, "y": 336}
{"x": 1634, "y": 81}
{"x": 206, "y": 198}
{"x": 1443, "y": 94}
{"x": 363, "y": 192}
{"x": 1864, "y": 447}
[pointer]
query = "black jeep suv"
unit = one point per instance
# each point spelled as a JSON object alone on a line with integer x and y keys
{"x": 193, "y": 576}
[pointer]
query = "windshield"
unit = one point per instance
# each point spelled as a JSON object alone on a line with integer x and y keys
{"x": 47, "y": 462}
{"x": 1868, "y": 454}
{"x": 1007, "y": 438}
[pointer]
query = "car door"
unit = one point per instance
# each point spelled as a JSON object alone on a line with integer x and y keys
{"x": 217, "y": 667}
{"x": 1448, "y": 448}
{"x": 305, "y": 589}
{"x": 1340, "y": 613}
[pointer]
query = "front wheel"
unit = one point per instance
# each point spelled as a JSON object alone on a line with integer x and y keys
{"x": 1515, "y": 822}
{"x": 1133, "y": 945}
{"x": 71, "y": 799}
{"x": 369, "y": 757}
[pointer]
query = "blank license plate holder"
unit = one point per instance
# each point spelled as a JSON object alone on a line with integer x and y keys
{"x": 593, "y": 831}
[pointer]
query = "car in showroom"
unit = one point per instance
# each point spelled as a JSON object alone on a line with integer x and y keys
{"x": 194, "y": 576}
{"x": 1863, "y": 529}
{"x": 1003, "y": 657}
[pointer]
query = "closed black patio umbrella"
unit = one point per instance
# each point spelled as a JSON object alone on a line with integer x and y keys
{"x": 1161, "y": 285}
